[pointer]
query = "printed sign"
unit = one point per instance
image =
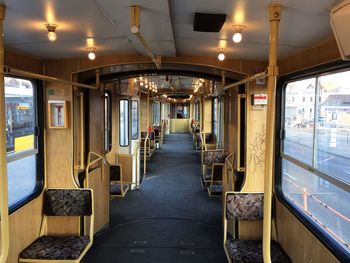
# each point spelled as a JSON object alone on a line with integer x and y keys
{"x": 259, "y": 99}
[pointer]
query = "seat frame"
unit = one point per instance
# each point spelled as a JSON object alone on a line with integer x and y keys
{"x": 212, "y": 181}
{"x": 121, "y": 182}
{"x": 43, "y": 231}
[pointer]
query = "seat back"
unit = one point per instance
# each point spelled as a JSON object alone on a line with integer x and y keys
{"x": 68, "y": 202}
{"x": 244, "y": 206}
{"x": 214, "y": 156}
{"x": 115, "y": 173}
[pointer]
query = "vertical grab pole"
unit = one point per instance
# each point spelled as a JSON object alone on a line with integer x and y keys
{"x": 275, "y": 17}
{"x": 5, "y": 240}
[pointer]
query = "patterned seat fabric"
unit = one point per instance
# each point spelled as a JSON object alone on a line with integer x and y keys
{"x": 56, "y": 247}
{"x": 67, "y": 202}
{"x": 210, "y": 157}
{"x": 116, "y": 188}
{"x": 244, "y": 206}
{"x": 244, "y": 251}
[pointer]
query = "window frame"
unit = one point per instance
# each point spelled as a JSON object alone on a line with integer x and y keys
{"x": 317, "y": 71}
{"x": 38, "y": 96}
{"x": 127, "y": 121}
{"x": 108, "y": 138}
{"x": 138, "y": 120}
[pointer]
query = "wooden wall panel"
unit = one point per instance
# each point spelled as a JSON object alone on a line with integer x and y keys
{"x": 99, "y": 178}
{"x": 144, "y": 113}
{"x": 126, "y": 162}
{"x": 317, "y": 55}
{"x": 256, "y": 133}
{"x": 297, "y": 241}
{"x": 23, "y": 61}
{"x": 207, "y": 115}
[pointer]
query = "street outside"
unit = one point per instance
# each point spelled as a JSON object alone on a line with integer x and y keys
{"x": 333, "y": 158}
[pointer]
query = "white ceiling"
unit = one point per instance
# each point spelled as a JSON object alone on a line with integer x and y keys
{"x": 166, "y": 26}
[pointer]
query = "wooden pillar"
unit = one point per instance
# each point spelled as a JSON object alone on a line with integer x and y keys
{"x": 4, "y": 250}
{"x": 275, "y": 17}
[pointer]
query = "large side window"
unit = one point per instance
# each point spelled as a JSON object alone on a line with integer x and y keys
{"x": 123, "y": 123}
{"x": 108, "y": 121}
{"x": 156, "y": 113}
{"x": 23, "y": 145}
{"x": 314, "y": 177}
{"x": 134, "y": 119}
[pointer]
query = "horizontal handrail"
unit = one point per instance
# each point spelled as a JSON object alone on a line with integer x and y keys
{"x": 22, "y": 73}
{"x": 248, "y": 79}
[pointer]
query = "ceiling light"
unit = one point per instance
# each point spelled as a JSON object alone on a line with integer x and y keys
{"x": 146, "y": 86}
{"x": 221, "y": 56}
{"x": 237, "y": 36}
{"x": 51, "y": 35}
{"x": 141, "y": 84}
{"x": 91, "y": 54}
{"x": 135, "y": 80}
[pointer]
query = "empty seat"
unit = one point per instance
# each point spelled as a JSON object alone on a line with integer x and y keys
{"x": 210, "y": 157}
{"x": 118, "y": 188}
{"x": 247, "y": 206}
{"x": 215, "y": 182}
{"x": 62, "y": 248}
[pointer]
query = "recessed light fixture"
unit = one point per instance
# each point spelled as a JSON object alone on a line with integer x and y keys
{"x": 221, "y": 55}
{"x": 91, "y": 54}
{"x": 237, "y": 36}
{"x": 51, "y": 28}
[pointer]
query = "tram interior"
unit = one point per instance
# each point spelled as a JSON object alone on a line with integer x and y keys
{"x": 174, "y": 131}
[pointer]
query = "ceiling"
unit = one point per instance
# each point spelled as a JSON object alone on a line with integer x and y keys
{"x": 165, "y": 25}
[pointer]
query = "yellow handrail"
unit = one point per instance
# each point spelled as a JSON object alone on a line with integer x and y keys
{"x": 89, "y": 164}
{"x": 145, "y": 153}
{"x": 275, "y": 17}
{"x": 5, "y": 239}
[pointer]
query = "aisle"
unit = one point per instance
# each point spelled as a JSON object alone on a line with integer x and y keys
{"x": 171, "y": 219}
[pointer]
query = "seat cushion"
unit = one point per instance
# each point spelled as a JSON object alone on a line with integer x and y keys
{"x": 216, "y": 189}
{"x": 56, "y": 247}
{"x": 247, "y": 251}
{"x": 116, "y": 189}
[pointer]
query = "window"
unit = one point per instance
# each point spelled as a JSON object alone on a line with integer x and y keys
{"x": 134, "y": 119}
{"x": 198, "y": 111}
{"x": 156, "y": 113}
{"x": 123, "y": 123}
{"x": 108, "y": 121}
{"x": 215, "y": 116}
{"x": 23, "y": 143}
{"x": 314, "y": 165}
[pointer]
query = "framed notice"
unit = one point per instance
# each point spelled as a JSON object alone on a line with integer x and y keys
{"x": 57, "y": 114}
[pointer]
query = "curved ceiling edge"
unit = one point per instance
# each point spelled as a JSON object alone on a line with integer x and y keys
{"x": 111, "y": 73}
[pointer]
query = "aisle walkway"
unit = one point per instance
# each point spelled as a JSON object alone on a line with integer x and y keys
{"x": 170, "y": 219}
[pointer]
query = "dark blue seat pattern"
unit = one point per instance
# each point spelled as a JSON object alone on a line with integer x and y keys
{"x": 56, "y": 247}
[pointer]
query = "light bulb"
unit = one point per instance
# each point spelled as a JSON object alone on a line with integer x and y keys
{"x": 221, "y": 56}
{"x": 134, "y": 29}
{"x": 52, "y": 36}
{"x": 237, "y": 37}
{"x": 91, "y": 55}
{"x": 135, "y": 80}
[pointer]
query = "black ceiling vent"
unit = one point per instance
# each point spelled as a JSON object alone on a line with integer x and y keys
{"x": 204, "y": 22}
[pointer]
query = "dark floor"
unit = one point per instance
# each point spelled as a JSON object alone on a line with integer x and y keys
{"x": 170, "y": 219}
